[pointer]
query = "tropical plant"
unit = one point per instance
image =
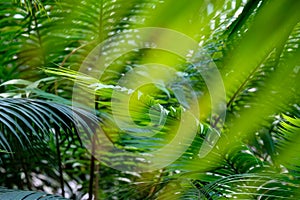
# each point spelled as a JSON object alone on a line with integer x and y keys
{"x": 254, "y": 45}
{"x": 26, "y": 195}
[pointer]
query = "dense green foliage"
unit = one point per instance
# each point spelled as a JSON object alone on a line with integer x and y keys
{"x": 254, "y": 45}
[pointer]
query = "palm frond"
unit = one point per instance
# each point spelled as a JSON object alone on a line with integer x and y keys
{"x": 29, "y": 118}
{"x": 10, "y": 194}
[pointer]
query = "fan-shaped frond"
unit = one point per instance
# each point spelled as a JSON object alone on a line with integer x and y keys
{"x": 10, "y": 194}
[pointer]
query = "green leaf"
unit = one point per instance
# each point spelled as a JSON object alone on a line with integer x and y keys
{"x": 16, "y": 82}
{"x": 9, "y": 194}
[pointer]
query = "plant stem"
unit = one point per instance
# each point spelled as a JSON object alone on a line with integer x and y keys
{"x": 92, "y": 171}
{"x": 97, "y": 181}
{"x": 61, "y": 178}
